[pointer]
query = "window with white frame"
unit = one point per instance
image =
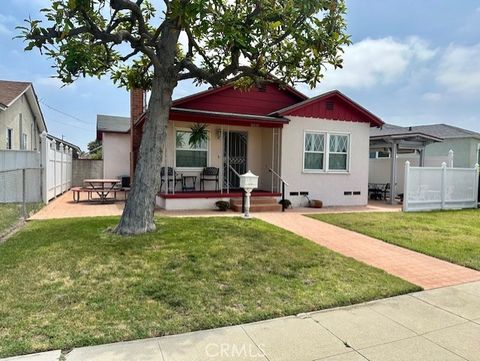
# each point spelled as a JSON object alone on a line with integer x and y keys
{"x": 314, "y": 151}
{"x": 338, "y": 152}
{"x": 380, "y": 154}
{"x": 187, "y": 155}
{"x": 9, "y": 139}
{"x": 23, "y": 143}
{"x": 326, "y": 152}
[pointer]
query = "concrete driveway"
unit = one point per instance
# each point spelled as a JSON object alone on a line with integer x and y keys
{"x": 439, "y": 324}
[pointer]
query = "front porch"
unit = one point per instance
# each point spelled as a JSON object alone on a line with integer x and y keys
{"x": 230, "y": 150}
{"x": 205, "y": 200}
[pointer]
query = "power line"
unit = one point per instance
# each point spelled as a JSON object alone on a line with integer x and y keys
{"x": 64, "y": 113}
{"x": 70, "y": 125}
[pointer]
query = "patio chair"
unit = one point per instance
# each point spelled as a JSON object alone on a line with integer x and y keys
{"x": 209, "y": 174}
{"x": 172, "y": 175}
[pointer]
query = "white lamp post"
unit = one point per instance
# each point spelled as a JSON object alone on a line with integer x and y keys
{"x": 248, "y": 182}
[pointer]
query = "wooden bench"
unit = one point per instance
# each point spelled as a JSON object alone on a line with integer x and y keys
{"x": 90, "y": 191}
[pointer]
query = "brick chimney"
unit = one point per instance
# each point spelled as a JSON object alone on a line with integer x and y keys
{"x": 137, "y": 107}
{"x": 137, "y": 103}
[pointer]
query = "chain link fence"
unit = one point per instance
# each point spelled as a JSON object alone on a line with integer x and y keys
{"x": 22, "y": 186}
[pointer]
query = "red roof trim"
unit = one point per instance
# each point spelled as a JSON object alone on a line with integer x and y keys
{"x": 202, "y": 116}
{"x": 374, "y": 120}
{"x": 211, "y": 91}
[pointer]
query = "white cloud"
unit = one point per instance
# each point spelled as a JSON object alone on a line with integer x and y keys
{"x": 459, "y": 69}
{"x": 378, "y": 61}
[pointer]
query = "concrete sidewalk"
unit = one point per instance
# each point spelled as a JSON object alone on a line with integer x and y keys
{"x": 440, "y": 324}
{"x": 417, "y": 268}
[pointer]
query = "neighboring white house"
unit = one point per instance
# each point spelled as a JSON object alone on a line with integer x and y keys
{"x": 23, "y": 156}
{"x": 465, "y": 145}
{"x": 114, "y": 133}
{"x": 21, "y": 120}
{"x": 319, "y": 146}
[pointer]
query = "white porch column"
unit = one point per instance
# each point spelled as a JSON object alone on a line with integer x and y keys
{"x": 450, "y": 158}
{"x": 422, "y": 157}
{"x": 393, "y": 173}
{"x": 222, "y": 167}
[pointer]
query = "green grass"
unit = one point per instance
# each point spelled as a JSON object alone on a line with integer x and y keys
{"x": 11, "y": 213}
{"x": 66, "y": 283}
{"x": 449, "y": 235}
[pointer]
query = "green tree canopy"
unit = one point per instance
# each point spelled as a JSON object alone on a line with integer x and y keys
{"x": 155, "y": 45}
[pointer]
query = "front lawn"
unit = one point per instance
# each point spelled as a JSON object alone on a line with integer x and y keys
{"x": 67, "y": 283}
{"x": 450, "y": 235}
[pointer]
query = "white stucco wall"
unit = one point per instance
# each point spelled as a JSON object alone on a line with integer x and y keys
{"x": 116, "y": 154}
{"x": 10, "y": 118}
{"x": 328, "y": 187}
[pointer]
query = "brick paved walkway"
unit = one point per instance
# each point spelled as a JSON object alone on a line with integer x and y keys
{"x": 422, "y": 270}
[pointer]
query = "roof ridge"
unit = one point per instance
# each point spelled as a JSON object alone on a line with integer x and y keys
{"x": 467, "y": 131}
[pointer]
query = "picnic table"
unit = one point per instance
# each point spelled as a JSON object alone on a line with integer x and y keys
{"x": 102, "y": 187}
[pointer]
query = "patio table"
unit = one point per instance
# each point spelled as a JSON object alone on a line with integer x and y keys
{"x": 103, "y": 187}
{"x": 193, "y": 181}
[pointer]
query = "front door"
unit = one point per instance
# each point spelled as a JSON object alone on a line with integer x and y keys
{"x": 235, "y": 156}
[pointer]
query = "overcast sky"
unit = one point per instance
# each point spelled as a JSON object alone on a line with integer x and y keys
{"x": 412, "y": 62}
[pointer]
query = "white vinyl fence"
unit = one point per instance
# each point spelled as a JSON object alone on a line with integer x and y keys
{"x": 32, "y": 176}
{"x": 434, "y": 188}
{"x": 57, "y": 163}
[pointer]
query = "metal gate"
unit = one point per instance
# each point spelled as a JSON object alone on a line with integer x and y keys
{"x": 235, "y": 156}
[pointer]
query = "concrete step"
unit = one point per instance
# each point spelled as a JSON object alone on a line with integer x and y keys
{"x": 272, "y": 207}
{"x": 254, "y": 200}
{"x": 257, "y": 204}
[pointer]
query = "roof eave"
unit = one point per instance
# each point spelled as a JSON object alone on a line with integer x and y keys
{"x": 34, "y": 104}
{"x": 374, "y": 120}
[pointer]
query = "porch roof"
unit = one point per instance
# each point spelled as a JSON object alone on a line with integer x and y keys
{"x": 207, "y": 116}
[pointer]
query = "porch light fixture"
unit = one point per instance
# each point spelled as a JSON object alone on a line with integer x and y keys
{"x": 218, "y": 133}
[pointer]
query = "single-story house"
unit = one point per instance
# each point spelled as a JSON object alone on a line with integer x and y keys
{"x": 438, "y": 139}
{"x": 319, "y": 146}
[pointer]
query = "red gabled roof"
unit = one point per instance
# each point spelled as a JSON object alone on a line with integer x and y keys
{"x": 254, "y": 101}
{"x": 344, "y": 108}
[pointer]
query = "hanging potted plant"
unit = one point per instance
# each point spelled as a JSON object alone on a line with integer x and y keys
{"x": 198, "y": 135}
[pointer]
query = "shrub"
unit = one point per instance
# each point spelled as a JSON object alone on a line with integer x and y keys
{"x": 222, "y": 205}
{"x": 286, "y": 203}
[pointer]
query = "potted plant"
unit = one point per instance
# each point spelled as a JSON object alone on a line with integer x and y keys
{"x": 198, "y": 135}
{"x": 222, "y": 205}
{"x": 285, "y": 203}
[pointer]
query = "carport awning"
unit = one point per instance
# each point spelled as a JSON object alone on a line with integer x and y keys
{"x": 397, "y": 140}
{"x": 406, "y": 142}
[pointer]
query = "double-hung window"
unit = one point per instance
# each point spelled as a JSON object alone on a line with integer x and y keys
{"x": 9, "y": 139}
{"x": 314, "y": 151}
{"x": 187, "y": 155}
{"x": 23, "y": 144}
{"x": 338, "y": 152}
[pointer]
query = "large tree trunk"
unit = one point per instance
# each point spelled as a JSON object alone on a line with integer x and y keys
{"x": 138, "y": 215}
